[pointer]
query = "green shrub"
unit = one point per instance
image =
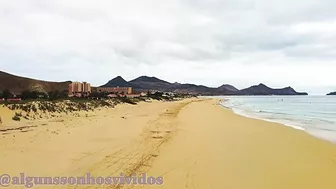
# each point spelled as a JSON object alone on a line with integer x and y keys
{"x": 16, "y": 117}
{"x": 34, "y": 108}
{"x": 127, "y": 100}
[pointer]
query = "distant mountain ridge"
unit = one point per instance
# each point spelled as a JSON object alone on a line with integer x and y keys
{"x": 145, "y": 83}
{"x": 17, "y": 84}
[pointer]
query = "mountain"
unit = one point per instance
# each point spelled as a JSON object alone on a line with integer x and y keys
{"x": 148, "y": 79}
{"x": 262, "y": 89}
{"x": 332, "y": 93}
{"x": 192, "y": 88}
{"x": 117, "y": 82}
{"x": 204, "y": 90}
{"x": 150, "y": 83}
{"x": 17, "y": 84}
{"x": 145, "y": 83}
{"x": 227, "y": 90}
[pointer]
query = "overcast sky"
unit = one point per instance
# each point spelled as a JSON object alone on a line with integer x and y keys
{"x": 209, "y": 42}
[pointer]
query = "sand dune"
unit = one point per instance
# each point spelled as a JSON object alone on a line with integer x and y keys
{"x": 191, "y": 143}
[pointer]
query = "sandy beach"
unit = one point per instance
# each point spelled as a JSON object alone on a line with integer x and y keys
{"x": 193, "y": 143}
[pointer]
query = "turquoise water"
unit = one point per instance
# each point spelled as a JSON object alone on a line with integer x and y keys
{"x": 314, "y": 114}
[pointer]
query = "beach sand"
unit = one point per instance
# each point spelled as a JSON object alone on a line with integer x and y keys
{"x": 193, "y": 143}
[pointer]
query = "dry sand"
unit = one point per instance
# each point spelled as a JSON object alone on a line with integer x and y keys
{"x": 191, "y": 143}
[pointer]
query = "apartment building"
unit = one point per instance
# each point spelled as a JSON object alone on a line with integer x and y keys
{"x": 79, "y": 89}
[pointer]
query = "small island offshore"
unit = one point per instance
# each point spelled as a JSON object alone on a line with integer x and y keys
{"x": 332, "y": 93}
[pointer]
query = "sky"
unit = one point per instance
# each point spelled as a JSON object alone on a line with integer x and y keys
{"x": 209, "y": 42}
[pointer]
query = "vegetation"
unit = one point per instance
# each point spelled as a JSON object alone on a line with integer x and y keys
{"x": 6, "y": 94}
{"x": 17, "y": 117}
{"x": 98, "y": 95}
{"x": 27, "y": 95}
{"x": 160, "y": 96}
{"x": 126, "y": 100}
{"x": 39, "y": 104}
{"x": 54, "y": 95}
{"x": 47, "y": 108}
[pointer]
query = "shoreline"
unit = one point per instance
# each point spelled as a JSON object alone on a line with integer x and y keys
{"x": 262, "y": 154}
{"x": 239, "y": 112}
{"x": 317, "y": 133}
{"x": 192, "y": 143}
{"x": 232, "y": 151}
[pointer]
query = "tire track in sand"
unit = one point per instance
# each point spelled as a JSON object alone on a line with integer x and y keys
{"x": 137, "y": 157}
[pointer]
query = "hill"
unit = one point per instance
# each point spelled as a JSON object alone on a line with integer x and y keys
{"x": 148, "y": 80}
{"x": 117, "y": 82}
{"x": 145, "y": 83}
{"x": 227, "y": 90}
{"x": 17, "y": 84}
{"x": 192, "y": 88}
{"x": 332, "y": 93}
{"x": 262, "y": 89}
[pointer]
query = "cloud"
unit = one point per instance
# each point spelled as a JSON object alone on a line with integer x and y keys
{"x": 198, "y": 41}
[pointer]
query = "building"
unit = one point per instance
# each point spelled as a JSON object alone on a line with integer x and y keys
{"x": 125, "y": 95}
{"x": 79, "y": 89}
{"x": 112, "y": 96}
{"x": 133, "y": 95}
{"x": 14, "y": 99}
{"x": 86, "y": 87}
{"x": 115, "y": 90}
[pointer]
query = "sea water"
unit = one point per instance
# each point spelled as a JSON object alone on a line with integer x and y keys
{"x": 314, "y": 114}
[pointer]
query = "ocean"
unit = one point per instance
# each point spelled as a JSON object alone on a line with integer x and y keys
{"x": 313, "y": 114}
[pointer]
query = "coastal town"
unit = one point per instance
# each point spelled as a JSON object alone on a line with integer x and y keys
{"x": 80, "y": 90}
{"x": 84, "y": 89}
{"x": 29, "y": 99}
{"x": 37, "y": 100}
